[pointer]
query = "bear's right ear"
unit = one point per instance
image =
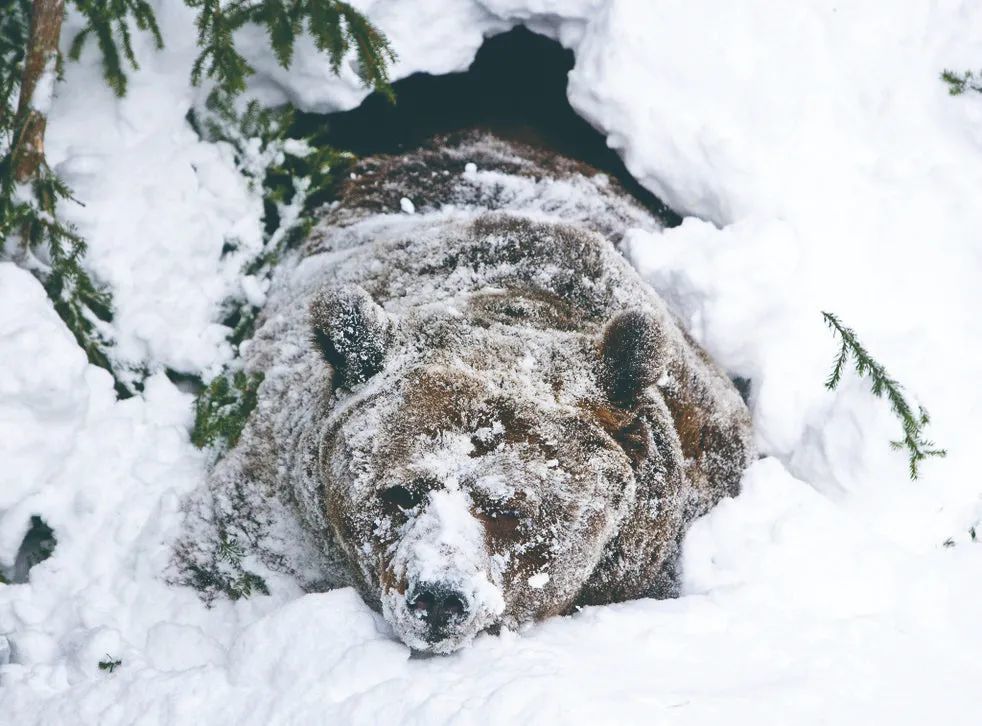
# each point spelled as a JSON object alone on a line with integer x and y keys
{"x": 632, "y": 352}
{"x": 352, "y": 332}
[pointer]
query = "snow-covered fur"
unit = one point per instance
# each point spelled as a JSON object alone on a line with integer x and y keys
{"x": 476, "y": 414}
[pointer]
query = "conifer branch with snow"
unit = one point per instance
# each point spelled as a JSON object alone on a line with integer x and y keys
{"x": 30, "y": 65}
{"x": 913, "y": 440}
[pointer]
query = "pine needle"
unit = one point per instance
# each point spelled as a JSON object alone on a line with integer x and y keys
{"x": 913, "y": 424}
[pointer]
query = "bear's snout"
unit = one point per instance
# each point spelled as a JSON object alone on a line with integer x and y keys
{"x": 444, "y": 587}
{"x": 440, "y": 607}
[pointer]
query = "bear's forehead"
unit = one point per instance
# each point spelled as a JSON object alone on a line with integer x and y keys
{"x": 473, "y": 426}
{"x": 495, "y": 455}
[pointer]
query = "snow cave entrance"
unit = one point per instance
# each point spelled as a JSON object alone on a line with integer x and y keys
{"x": 515, "y": 88}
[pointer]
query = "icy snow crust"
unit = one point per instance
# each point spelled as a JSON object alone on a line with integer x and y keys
{"x": 837, "y": 174}
{"x": 531, "y": 490}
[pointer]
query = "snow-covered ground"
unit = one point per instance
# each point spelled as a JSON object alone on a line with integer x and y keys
{"x": 825, "y": 168}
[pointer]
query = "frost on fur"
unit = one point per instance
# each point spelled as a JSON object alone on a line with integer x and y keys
{"x": 478, "y": 415}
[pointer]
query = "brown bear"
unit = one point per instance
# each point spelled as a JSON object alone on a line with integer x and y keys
{"x": 474, "y": 411}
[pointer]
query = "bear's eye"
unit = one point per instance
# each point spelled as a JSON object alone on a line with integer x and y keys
{"x": 400, "y": 497}
{"x": 501, "y": 521}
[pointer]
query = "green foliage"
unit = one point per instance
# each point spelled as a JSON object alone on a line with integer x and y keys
{"x": 335, "y": 27}
{"x": 242, "y": 583}
{"x": 297, "y": 173}
{"x": 77, "y": 299}
{"x": 973, "y": 538}
{"x": 15, "y": 18}
{"x": 52, "y": 251}
{"x": 958, "y": 83}
{"x": 913, "y": 424}
{"x": 223, "y": 408}
{"x": 107, "y": 21}
{"x": 30, "y": 231}
{"x": 109, "y": 663}
{"x": 225, "y": 573}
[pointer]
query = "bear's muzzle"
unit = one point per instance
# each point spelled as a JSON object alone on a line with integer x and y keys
{"x": 448, "y": 587}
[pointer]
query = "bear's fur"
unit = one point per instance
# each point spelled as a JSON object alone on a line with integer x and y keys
{"x": 477, "y": 415}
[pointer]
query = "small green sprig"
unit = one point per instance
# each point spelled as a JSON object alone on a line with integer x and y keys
{"x": 109, "y": 663}
{"x": 108, "y": 21}
{"x": 958, "y": 83}
{"x": 335, "y": 26}
{"x": 913, "y": 423}
{"x": 223, "y": 408}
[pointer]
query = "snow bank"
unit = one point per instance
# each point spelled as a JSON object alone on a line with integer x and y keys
{"x": 828, "y": 169}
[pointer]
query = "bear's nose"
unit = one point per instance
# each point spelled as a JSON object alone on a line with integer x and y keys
{"x": 437, "y": 605}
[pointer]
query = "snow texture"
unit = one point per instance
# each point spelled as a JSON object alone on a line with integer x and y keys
{"x": 825, "y": 167}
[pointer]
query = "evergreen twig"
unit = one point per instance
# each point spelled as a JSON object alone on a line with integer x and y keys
{"x": 224, "y": 572}
{"x": 295, "y": 183}
{"x": 109, "y": 22}
{"x": 297, "y": 173}
{"x": 223, "y": 408}
{"x": 913, "y": 423}
{"x": 30, "y": 230}
{"x": 109, "y": 663}
{"x": 335, "y": 26}
{"x": 958, "y": 83}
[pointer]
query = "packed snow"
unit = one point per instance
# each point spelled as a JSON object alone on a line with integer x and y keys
{"x": 823, "y": 166}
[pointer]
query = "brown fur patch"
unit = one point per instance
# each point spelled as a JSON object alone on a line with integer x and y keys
{"x": 629, "y": 431}
{"x": 535, "y": 308}
{"x": 377, "y": 183}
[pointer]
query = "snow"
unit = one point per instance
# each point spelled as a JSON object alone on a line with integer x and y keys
{"x": 828, "y": 169}
{"x": 45, "y": 88}
{"x": 160, "y": 250}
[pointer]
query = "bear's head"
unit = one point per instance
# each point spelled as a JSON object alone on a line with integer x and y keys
{"x": 475, "y": 476}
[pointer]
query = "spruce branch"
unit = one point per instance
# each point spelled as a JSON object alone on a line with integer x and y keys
{"x": 30, "y": 192}
{"x": 15, "y": 20}
{"x": 296, "y": 170}
{"x": 223, "y": 408}
{"x": 958, "y": 83}
{"x": 109, "y": 663}
{"x": 109, "y": 22}
{"x": 218, "y": 59}
{"x": 27, "y": 215}
{"x": 882, "y": 384}
{"x": 335, "y": 26}
{"x": 30, "y": 231}
{"x": 229, "y": 549}
{"x": 224, "y": 571}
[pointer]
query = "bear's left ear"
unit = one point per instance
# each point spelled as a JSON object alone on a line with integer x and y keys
{"x": 352, "y": 331}
{"x": 632, "y": 352}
